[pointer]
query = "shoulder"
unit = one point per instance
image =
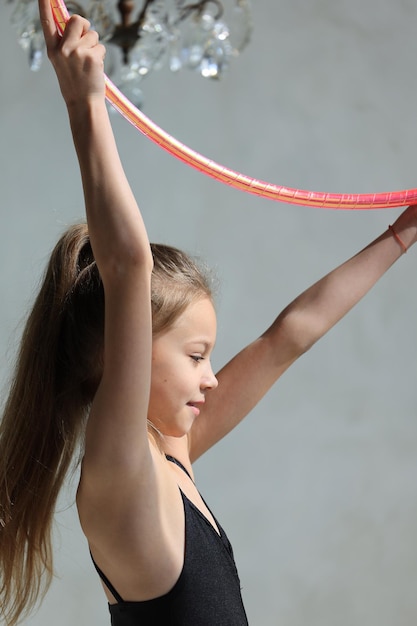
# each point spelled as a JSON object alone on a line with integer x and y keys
{"x": 141, "y": 499}
{"x": 137, "y": 530}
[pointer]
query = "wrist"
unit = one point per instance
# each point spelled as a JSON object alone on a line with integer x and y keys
{"x": 405, "y": 228}
{"x": 398, "y": 239}
{"x": 86, "y": 107}
{"x": 88, "y": 116}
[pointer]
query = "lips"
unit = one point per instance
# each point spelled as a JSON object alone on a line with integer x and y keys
{"x": 195, "y": 408}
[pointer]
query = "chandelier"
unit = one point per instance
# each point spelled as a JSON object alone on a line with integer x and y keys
{"x": 203, "y": 36}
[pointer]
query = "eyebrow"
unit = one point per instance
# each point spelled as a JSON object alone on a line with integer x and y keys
{"x": 208, "y": 345}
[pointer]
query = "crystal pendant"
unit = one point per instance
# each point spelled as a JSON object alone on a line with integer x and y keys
{"x": 25, "y": 19}
{"x": 217, "y": 52}
{"x": 100, "y": 16}
{"x": 151, "y": 49}
{"x": 129, "y": 85}
{"x": 206, "y": 44}
{"x": 194, "y": 38}
{"x": 175, "y": 50}
{"x": 240, "y": 25}
{"x": 36, "y": 49}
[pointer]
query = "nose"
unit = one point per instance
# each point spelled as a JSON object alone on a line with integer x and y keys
{"x": 209, "y": 381}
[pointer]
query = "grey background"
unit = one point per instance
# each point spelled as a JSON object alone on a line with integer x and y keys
{"x": 317, "y": 489}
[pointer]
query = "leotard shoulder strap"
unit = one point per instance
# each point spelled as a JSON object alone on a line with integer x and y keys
{"x": 172, "y": 459}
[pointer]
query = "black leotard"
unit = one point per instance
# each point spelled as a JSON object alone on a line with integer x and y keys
{"x": 207, "y": 592}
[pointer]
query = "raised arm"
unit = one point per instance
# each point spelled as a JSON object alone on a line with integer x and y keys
{"x": 128, "y": 501}
{"x": 247, "y": 377}
{"x": 117, "y": 428}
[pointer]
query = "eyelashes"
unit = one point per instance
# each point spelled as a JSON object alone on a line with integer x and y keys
{"x": 197, "y": 357}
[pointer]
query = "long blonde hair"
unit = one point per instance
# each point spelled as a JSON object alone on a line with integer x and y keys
{"x": 57, "y": 372}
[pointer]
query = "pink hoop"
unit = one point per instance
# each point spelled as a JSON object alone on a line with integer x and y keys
{"x": 230, "y": 177}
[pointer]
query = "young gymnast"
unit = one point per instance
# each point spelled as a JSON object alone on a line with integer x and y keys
{"x": 116, "y": 355}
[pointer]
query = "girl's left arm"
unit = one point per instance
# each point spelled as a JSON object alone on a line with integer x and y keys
{"x": 251, "y": 373}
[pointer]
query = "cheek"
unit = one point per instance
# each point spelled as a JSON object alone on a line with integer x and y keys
{"x": 158, "y": 386}
{"x": 162, "y": 383}
{"x": 160, "y": 376}
{"x": 157, "y": 368}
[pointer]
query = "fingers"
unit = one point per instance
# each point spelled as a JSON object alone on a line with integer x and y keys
{"x": 47, "y": 21}
{"x": 77, "y": 27}
{"x": 78, "y": 31}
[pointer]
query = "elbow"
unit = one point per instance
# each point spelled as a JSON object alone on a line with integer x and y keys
{"x": 137, "y": 258}
{"x": 130, "y": 262}
{"x": 294, "y": 333}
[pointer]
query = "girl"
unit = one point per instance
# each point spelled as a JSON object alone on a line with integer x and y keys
{"x": 122, "y": 334}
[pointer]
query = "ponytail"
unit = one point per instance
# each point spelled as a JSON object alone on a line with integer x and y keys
{"x": 57, "y": 373}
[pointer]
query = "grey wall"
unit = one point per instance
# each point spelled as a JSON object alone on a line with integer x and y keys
{"x": 317, "y": 488}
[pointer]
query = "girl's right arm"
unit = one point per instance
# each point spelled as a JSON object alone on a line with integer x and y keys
{"x": 116, "y": 438}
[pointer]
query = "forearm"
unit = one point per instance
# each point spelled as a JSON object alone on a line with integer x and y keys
{"x": 116, "y": 227}
{"x": 117, "y": 233}
{"x": 319, "y": 308}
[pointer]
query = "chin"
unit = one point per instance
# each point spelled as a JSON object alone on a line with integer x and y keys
{"x": 175, "y": 431}
{"x": 175, "y": 427}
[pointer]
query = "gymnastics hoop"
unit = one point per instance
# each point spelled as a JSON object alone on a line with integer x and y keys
{"x": 322, "y": 200}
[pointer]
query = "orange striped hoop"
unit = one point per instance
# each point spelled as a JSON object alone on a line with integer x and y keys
{"x": 230, "y": 177}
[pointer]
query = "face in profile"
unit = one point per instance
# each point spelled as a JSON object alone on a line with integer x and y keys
{"x": 181, "y": 369}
